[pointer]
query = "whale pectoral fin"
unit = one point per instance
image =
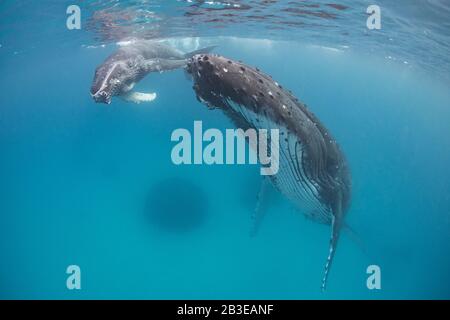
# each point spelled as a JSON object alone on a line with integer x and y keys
{"x": 336, "y": 225}
{"x": 260, "y": 208}
{"x": 138, "y": 97}
{"x": 161, "y": 65}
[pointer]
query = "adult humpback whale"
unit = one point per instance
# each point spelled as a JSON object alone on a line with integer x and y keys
{"x": 118, "y": 74}
{"x": 313, "y": 173}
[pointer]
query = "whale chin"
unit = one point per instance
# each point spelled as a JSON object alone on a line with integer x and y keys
{"x": 101, "y": 97}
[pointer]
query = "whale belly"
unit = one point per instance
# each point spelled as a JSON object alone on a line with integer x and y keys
{"x": 291, "y": 179}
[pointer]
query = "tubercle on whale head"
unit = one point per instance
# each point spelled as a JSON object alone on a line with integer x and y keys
{"x": 200, "y": 64}
{"x": 216, "y": 78}
{"x": 220, "y": 81}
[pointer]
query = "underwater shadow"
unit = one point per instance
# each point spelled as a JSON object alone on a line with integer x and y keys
{"x": 176, "y": 205}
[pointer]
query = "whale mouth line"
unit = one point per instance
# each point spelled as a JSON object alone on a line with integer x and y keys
{"x": 101, "y": 96}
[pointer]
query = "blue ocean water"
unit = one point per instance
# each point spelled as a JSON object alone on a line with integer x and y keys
{"x": 78, "y": 179}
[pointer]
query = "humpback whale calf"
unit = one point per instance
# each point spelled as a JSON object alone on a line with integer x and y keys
{"x": 313, "y": 173}
{"x": 118, "y": 74}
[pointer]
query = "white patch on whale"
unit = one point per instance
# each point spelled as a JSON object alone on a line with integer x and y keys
{"x": 138, "y": 97}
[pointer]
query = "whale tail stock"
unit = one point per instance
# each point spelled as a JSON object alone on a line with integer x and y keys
{"x": 199, "y": 51}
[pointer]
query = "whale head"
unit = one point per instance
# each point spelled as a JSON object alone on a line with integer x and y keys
{"x": 219, "y": 81}
{"x": 108, "y": 81}
{"x": 213, "y": 79}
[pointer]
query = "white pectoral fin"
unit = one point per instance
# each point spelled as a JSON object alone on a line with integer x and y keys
{"x": 138, "y": 97}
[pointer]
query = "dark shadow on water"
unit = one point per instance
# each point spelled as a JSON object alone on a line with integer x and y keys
{"x": 176, "y": 205}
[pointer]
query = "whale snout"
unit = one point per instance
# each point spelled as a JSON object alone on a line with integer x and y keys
{"x": 203, "y": 65}
{"x": 101, "y": 97}
{"x": 216, "y": 77}
{"x": 208, "y": 72}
